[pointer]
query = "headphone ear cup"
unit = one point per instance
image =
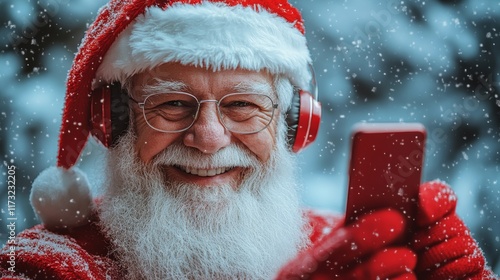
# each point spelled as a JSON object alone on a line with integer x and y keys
{"x": 119, "y": 113}
{"x": 109, "y": 113}
{"x": 100, "y": 117}
{"x": 303, "y": 120}
{"x": 292, "y": 117}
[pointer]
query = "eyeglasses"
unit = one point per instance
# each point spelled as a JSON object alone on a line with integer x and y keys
{"x": 242, "y": 113}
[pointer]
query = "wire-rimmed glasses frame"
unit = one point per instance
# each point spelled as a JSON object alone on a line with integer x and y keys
{"x": 176, "y": 111}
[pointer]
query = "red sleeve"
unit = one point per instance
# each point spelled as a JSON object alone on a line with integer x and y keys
{"x": 42, "y": 254}
{"x": 321, "y": 223}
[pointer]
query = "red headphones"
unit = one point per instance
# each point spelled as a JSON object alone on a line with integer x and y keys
{"x": 110, "y": 116}
{"x": 303, "y": 120}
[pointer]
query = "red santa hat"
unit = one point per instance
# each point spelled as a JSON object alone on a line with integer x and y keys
{"x": 131, "y": 36}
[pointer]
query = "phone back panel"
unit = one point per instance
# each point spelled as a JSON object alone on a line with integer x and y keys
{"x": 385, "y": 169}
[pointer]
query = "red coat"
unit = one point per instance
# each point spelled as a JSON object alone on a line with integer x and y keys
{"x": 84, "y": 252}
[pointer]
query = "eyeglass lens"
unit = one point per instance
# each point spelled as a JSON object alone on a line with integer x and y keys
{"x": 238, "y": 112}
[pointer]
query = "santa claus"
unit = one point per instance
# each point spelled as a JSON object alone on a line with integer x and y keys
{"x": 203, "y": 105}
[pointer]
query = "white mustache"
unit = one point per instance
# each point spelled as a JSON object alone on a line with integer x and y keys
{"x": 194, "y": 160}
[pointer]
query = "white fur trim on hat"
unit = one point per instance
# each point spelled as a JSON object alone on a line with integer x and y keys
{"x": 209, "y": 35}
{"x": 61, "y": 198}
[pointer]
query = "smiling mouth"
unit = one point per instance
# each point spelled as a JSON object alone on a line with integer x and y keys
{"x": 204, "y": 172}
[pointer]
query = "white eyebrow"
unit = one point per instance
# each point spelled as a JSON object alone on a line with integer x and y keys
{"x": 162, "y": 86}
{"x": 254, "y": 87}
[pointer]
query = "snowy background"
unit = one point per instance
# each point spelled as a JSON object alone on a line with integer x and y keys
{"x": 434, "y": 62}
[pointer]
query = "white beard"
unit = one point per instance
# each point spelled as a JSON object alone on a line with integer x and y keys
{"x": 166, "y": 230}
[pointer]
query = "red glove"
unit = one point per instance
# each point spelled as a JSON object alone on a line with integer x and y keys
{"x": 357, "y": 251}
{"x": 444, "y": 245}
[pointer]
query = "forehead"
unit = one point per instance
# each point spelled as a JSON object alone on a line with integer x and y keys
{"x": 201, "y": 80}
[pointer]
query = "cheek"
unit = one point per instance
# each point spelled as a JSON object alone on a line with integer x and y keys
{"x": 261, "y": 144}
{"x": 150, "y": 142}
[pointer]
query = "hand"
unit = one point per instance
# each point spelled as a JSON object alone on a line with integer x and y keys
{"x": 443, "y": 243}
{"x": 357, "y": 251}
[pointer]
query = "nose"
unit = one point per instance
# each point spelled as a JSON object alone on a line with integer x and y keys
{"x": 207, "y": 133}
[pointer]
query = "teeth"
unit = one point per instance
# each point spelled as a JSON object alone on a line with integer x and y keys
{"x": 204, "y": 172}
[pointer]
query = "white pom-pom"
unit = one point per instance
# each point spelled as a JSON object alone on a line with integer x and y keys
{"x": 61, "y": 198}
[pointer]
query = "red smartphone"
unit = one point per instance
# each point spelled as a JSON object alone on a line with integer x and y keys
{"x": 385, "y": 169}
